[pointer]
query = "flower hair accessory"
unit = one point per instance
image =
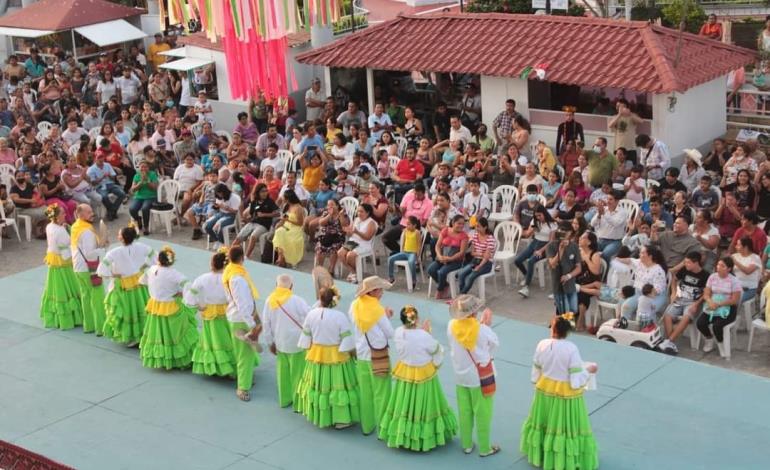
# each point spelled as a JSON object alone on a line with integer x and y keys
{"x": 52, "y": 211}
{"x": 170, "y": 255}
{"x": 223, "y": 250}
{"x": 409, "y": 313}
{"x": 336, "y": 297}
{"x": 568, "y": 109}
{"x": 132, "y": 225}
{"x": 570, "y": 317}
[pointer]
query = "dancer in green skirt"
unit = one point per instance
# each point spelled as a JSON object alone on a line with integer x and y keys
{"x": 417, "y": 416}
{"x": 372, "y": 330}
{"x": 328, "y": 392}
{"x": 214, "y": 353}
{"x": 282, "y": 319}
{"x": 472, "y": 344}
{"x": 557, "y": 434}
{"x": 86, "y": 249}
{"x": 126, "y": 298}
{"x": 170, "y": 329}
{"x": 60, "y": 306}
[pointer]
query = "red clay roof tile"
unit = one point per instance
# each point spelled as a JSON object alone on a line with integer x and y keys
{"x": 61, "y": 15}
{"x": 579, "y": 51}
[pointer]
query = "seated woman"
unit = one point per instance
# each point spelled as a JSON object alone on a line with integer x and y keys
{"x": 567, "y": 209}
{"x": 482, "y": 252}
{"x": 680, "y": 207}
{"x": 330, "y": 234}
{"x": 541, "y": 230}
{"x": 551, "y": 188}
{"x": 722, "y": 295}
{"x": 52, "y": 188}
{"x": 226, "y": 205}
{"x": 589, "y": 280}
{"x": 288, "y": 240}
{"x": 748, "y": 267}
{"x": 387, "y": 142}
{"x": 450, "y": 253}
{"x": 361, "y": 239}
{"x": 650, "y": 268}
{"x": 144, "y": 189}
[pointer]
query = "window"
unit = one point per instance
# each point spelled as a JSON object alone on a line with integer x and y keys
{"x": 588, "y": 100}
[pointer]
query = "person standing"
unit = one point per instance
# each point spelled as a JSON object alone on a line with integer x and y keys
{"x": 242, "y": 314}
{"x": 417, "y": 400}
{"x": 711, "y": 28}
{"x": 558, "y": 414}
{"x": 624, "y": 126}
{"x": 472, "y": 345}
{"x": 314, "y": 101}
{"x": 86, "y": 248}
{"x": 502, "y": 125}
{"x": 328, "y": 392}
{"x": 127, "y": 298}
{"x": 569, "y": 130}
{"x": 655, "y": 158}
{"x": 372, "y": 331}
{"x": 282, "y": 319}
{"x": 170, "y": 330}
{"x": 214, "y": 355}
{"x": 60, "y": 306}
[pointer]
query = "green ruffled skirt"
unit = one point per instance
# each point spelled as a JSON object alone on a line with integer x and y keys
{"x": 213, "y": 355}
{"x": 418, "y": 416}
{"x": 125, "y": 310}
{"x": 328, "y": 394}
{"x": 168, "y": 341}
{"x": 60, "y": 305}
{"x": 557, "y": 434}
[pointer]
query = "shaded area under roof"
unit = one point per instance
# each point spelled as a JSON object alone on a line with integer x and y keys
{"x": 596, "y": 52}
{"x": 61, "y": 15}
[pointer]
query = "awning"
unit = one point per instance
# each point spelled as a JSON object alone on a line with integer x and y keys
{"x": 111, "y": 32}
{"x": 24, "y": 33}
{"x": 178, "y": 52}
{"x": 186, "y": 64}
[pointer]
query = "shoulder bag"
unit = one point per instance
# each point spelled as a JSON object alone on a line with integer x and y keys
{"x": 486, "y": 376}
{"x": 380, "y": 359}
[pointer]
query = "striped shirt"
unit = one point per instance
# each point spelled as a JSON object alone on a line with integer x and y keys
{"x": 481, "y": 246}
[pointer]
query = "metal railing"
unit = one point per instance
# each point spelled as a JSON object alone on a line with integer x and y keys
{"x": 350, "y": 23}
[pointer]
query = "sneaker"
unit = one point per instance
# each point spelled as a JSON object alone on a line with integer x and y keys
{"x": 669, "y": 347}
{"x": 197, "y": 234}
{"x": 708, "y": 346}
{"x": 550, "y": 296}
{"x": 523, "y": 283}
{"x": 524, "y": 292}
{"x": 351, "y": 278}
{"x": 216, "y": 246}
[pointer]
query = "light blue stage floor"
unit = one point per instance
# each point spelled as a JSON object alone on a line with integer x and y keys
{"x": 88, "y": 403}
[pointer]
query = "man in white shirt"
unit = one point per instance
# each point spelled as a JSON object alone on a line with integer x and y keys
{"x": 471, "y": 103}
{"x": 610, "y": 225}
{"x": 189, "y": 176}
{"x": 291, "y": 183}
{"x": 314, "y": 100}
{"x": 655, "y": 156}
{"x": 475, "y": 204}
{"x": 161, "y": 133}
{"x": 282, "y": 320}
{"x": 129, "y": 86}
{"x": 272, "y": 160}
{"x": 73, "y": 133}
{"x": 379, "y": 121}
{"x": 457, "y": 131}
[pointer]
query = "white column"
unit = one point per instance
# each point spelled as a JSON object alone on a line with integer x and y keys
{"x": 370, "y": 89}
{"x": 328, "y": 81}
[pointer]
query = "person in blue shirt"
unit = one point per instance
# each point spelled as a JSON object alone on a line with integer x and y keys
{"x": 102, "y": 177}
{"x": 6, "y": 116}
{"x": 35, "y": 65}
{"x": 207, "y": 158}
{"x": 311, "y": 143}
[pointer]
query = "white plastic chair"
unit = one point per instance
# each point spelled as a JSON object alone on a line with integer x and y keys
{"x": 630, "y": 207}
{"x": 168, "y": 192}
{"x": 758, "y": 323}
{"x": 507, "y": 235}
{"x": 350, "y": 206}
{"x": 43, "y": 129}
{"x": 483, "y": 188}
{"x": 361, "y": 264}
{"x": 94, "y": 133}
{"x": 650, "y": 183}
{"x": 6, "y": 169}
{"x": 233, "y": 227}
{"x": 393, "y": 161}
{"x": 419, "y": 264}
{"x": 137, "y": 160}
{"x": 9, "y": 222}
{"x": 197, "y": 129}
{"x": 728, "y": 332}
{"x": 451, "y": 280}
{"x": 283, "y": 157}
{"x": 616, "y": 281}
{"x": 507, "y": 196}
{"x": 402, "y": 144}
{"x": 224, "y": 134}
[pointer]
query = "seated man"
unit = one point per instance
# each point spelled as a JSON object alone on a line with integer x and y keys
{"x": 687, "y": 296}
{"x": 291, "y": 183}
{"x": 675, "y": 244}
{"x": 407, "y": 172}
{"x": 610, "y": 225}
{"x": 102, "y": 177}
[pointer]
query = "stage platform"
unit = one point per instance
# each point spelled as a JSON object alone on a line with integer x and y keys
{"x": 88, "y": 403}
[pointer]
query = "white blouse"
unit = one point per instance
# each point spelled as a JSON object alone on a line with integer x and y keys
{"x": 284, "y": 326}
{"x": 466, "y": 374}
{"x": 559, "y": 359}
{"x": 416, "y": 347}
{"x": 58, "y": 240}
{"x": 241, "y": 305}
{"x": 378, "y": 336}
{"x": 125, "y": 260}
{"x": 207, "y": 289}
{"x": 654, "y": 275}
{"x": 163, "y": 283}
{"x": 327, "y": 327}
{"x": 364, "y": 246}
{"x": 748, "y": 281}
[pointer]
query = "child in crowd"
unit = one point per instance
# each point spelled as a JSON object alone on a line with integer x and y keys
{"x": 457, "y": 184}
{"x": 346, "y": 185}
{"x": 410, "y": 247}
{"x": 642, "y": 238}
{"x": 204, "y": 208}
{"x": 634, "y": 185}
{"x": 626, "y": 292}
{"x": 645, "y": 309}
{"x": 551, "y": 188}
{"x": 705, "y": 196}
{"x": 383, "y": 167}
{"x": 319, "y": 198}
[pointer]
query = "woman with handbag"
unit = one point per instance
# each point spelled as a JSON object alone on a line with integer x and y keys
{"x": 60, "y": 306}
{"x": 450, "y": 253}
{"x": 372, "y": 331}
{"x": 330, "y": 233}
{"x": 126, "y": 297}
{"x": 327, "y": 394}
{"x": 557, "y": 433}
{"x": 417, "y": 401}
{"x": 472, "y": 344}
{"x": 170, "y": 330}
{"x": 213, "y": 355}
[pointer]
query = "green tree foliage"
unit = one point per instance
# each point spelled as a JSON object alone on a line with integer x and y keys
{"x": 690, "y": 10}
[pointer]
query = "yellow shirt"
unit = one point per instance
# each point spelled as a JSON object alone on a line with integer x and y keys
{"x": 311, "y": 177}
{"x": 411, "y": 241}
{"x": 153, "y": 53}
{"x": 547, "y": 163}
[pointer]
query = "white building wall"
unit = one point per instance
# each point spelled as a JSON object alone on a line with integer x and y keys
{"x": 698, "y": 116}
{"x": 494, "y": 92}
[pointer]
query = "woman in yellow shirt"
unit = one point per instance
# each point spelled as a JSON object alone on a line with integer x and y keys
{"x": 312, "y": 173}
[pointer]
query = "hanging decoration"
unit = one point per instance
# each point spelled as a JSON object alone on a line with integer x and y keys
{"x": 254, "y": 35}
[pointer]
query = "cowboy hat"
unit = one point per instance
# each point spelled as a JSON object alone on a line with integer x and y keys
{"x": 464, "y": 306}
{"x": 372, "y": 283}
{"x": 694, "y": 155}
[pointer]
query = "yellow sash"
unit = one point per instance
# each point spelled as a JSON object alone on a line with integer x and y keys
{"x": 278, "y": 297}
{"x": 162, "y": 309}
{"x": 213, "y": 311}
{"x": 130, "y": 282}
{"x": 367, "y": 311}
{"x": 414, "y": 374}
{"x": 322, "y": 354}
{"x": 55, "y": 260}
{"x": 466, "y": 331}
{"x": 557, "y": 388}
{"x": 78, "y": 228}
{"x": 232, "y": 270}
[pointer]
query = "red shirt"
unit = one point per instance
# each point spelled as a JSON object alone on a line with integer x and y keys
{"x": 758, "y": 238}
{"x": 410, "y": 170}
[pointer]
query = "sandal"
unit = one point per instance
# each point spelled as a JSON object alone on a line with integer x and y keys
{"x": 469, "y": 450}
{"x": 495, "y": 449}
{"x": 243, "y": 395}
{"x": 339, "y": 426}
